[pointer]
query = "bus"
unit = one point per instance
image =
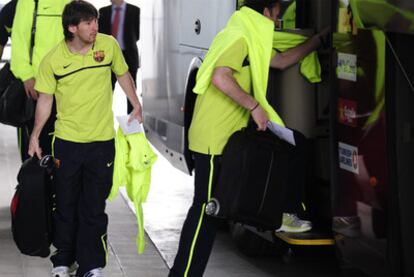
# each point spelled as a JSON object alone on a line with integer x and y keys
{"x": 358, "y": 119}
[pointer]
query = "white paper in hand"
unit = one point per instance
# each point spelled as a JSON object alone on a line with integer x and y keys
{"x": 129, "y": 128}
{"x": 282, "y": 132}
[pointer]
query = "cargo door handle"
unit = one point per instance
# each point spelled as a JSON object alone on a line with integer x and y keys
{"x": 197, "y": 26}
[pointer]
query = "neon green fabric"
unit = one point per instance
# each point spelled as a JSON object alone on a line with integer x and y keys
{"x": 216, "y": 116}
{"x": 379, "y": 38}
{"x": 289, "y": 17}
{"x": 49, "y": 33}
{"x": 82, "y": 87}
{"x": 134, "y": 158}
{"x": 366, "y": 14}
{"x": 257, "y": 31}
{"x": 365, "y": 9}
{"x": 310, "y": 67}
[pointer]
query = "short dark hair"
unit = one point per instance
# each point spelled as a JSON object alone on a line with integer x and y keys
{"x": 75, "y": 12}
{"x": 260, "y": 5}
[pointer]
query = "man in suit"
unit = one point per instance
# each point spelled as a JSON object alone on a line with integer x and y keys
{"x": 121, "y": 20}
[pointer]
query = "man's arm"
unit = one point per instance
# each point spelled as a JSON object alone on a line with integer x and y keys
{"x": 127, "y": 84}
{"x": 294, "y": 55}
{"x": 20, "y": 54}
{"x": 224, "y": 80}
{"x": 43, "y": 110}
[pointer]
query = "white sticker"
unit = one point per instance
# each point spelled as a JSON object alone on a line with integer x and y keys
{"x": 348, "y": 157}
{"x": 347, "y": 67}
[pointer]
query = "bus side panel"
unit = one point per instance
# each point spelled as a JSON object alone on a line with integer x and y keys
{"x": 169, "y": 45}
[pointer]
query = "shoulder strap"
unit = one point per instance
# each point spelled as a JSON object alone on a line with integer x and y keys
{"x": 32, "y": 38}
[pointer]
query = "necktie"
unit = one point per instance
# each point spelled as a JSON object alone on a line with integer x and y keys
{"x": 115, "y": 23}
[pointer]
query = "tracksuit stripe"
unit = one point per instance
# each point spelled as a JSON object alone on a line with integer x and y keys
{"x": 200, "y": 221}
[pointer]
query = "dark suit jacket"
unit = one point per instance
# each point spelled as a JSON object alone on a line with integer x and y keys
{"x": 131, "y": 32}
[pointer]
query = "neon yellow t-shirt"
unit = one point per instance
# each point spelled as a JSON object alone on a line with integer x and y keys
{"x": 216, "y": 116}
{"x": 82, "y": 87}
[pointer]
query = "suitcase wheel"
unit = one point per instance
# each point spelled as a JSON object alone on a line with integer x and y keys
{"x": 212, "y": 207}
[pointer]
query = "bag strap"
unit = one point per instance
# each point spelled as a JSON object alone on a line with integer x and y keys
{"x": 32, "y": 37}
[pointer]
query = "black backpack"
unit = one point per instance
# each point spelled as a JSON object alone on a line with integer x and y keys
{"x": 31, "y": 207}
{"x": 16, "y": 109}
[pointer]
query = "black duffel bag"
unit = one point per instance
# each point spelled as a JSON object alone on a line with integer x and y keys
{"x": 31, "y": 207}
{"x": 253, "y": 179}
{"x": 6, "y": 77}
{"x": 16, "y": 109}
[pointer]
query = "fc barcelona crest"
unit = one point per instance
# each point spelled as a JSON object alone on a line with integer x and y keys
{"x": 99, "y": 56}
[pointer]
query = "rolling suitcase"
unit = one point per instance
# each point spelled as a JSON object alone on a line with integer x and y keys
{"x": 31, "y": 207}
{"x": 252, "y": 180}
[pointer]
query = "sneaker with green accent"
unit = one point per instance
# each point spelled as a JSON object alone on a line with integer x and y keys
{"x": 291, "y": 223}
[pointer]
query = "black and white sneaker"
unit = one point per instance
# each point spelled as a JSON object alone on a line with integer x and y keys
{"x": 96, "y": 272}
{"x": 60, "y": 271}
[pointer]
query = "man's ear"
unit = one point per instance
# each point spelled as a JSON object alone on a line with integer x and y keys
{"x": 72, "y": 28}
{"x": 266, "y": 12}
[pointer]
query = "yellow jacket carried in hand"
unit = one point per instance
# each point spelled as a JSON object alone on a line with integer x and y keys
{"x": 134, "y": 158}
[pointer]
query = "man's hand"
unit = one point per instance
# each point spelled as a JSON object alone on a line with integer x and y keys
{"x": 260, "y": 117}
{"x": 323, "y": 36}
{"x": 34, "y": 147}
{"x": 29, "y": 85}
{"x": 136, "y": 114}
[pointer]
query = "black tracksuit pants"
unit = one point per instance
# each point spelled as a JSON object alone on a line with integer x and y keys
{"x": 83, "y": 182}
{"x": 199, "y": 229}
{"x": 298, "y": 174}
